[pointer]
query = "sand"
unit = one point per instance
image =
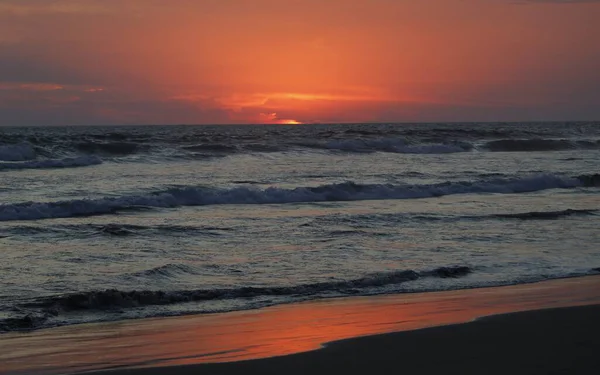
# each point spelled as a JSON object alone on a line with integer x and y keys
{"x": 557, "y": 341}
{"x": 286, "y": 338}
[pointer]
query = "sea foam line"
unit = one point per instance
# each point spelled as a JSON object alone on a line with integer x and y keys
{"x": 109, "y": 299}
{"x": 82, "y": 161}
{"x": 347, "y": 191}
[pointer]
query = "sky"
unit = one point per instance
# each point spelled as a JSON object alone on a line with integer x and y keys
{"x": 92, "y": 62}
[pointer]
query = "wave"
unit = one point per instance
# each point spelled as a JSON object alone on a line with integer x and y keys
{"x": 26, "y": 323}
{"x": 201, "y": 144}
{"x": 349, "y": 232}
{"x": 347, "y": 191}
{"x": 41, "y": 312}
{"x": 112, "y": 298}
{"x": 82, "y": 161}
{"x": 166, "y": 271}
{"x": 591, "y": 180}
{"x": 523, "y": 145}
{"x": 110, "y": 148}
{"x": 17, "y": 152}
{"x": 546, "y": 215}
{"x": 215, "y": 147}
{"x": 116, "y": 230}
{"x": 368, "y": 224}
{"x": 391, "y": 145}
{"x": 127, "y": 229}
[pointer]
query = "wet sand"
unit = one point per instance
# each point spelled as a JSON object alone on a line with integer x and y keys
{"x": 269, "y": 340}
{"x": 557, "y": 341}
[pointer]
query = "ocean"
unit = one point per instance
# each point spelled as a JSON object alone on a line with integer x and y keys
{"x": 113, "y": 223}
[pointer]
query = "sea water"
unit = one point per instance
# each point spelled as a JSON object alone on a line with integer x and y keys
{"x": 112, "y": 223}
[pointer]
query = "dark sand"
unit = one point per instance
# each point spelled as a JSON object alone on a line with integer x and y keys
{"x": 556, "y": 341}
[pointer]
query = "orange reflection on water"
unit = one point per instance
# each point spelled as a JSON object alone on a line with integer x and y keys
{"x": 274, "y": 331}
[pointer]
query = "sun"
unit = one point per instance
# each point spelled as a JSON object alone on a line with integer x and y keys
{"x": 272, "y": 118}
{"x": 289, "y": 122}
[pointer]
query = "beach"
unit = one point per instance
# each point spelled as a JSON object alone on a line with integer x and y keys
{"x": 557, "y": 341}
{"x": 557, "y": 335}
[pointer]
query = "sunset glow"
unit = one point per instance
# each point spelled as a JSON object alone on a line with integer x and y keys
{"x": 289, "y": 122}
{"x": 234, "y": 61}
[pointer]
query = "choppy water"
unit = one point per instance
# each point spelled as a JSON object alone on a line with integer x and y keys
{"x": 110, "y": 223}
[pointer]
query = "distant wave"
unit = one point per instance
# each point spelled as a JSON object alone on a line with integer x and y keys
{"x": 401, "y": 146}
{"x": 211, "y": 147}
{"x": 17, "y": 152}
{"x": 347, "y": 145}
{"x": 82, "y": 161}
{"x": 110, "y": 148}
{"x": 522, "y": 145}
{"x": 392, "y": 145}
{"x": 109, "y": 299}
{"x": 347, "y": 191}
{"x": 393, "y": 140}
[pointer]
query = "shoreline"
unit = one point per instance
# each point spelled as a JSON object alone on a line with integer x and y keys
{"x": 548, "y": 341}
{"x": 280, "y": 331}
{"x": 594, "y": 272}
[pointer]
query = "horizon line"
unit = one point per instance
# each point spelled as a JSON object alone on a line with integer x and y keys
{"x": 310, "y": 123}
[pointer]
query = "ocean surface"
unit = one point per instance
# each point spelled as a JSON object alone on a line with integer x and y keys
{"x": 113, "y": 223}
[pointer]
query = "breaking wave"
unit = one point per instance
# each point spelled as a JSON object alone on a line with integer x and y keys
{"x": 82, "y": 161}
{"x": 347, "y": 191}
{"x": 17, "y": 152}
{"x": 110, "y": 148}
{"x": 42, "y": 311}
{"x": 392, "y": 145}
{"x": 201, "y": 144}
{"x": 523, "y": 145}
{"x": 112, "y": 298}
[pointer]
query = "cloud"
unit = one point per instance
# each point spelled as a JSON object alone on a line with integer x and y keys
{"x": 30, "y": 86}
{"x": 34, "y": 63}
{"x": 34, "y": 103}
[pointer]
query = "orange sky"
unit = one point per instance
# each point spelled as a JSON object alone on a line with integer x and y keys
{"x": 274, "y": 61}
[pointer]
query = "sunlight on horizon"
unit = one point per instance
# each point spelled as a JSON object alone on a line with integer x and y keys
{"x": 223, "y": 62}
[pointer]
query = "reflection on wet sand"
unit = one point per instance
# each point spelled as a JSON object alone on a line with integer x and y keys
{"x": 273, "y": 331}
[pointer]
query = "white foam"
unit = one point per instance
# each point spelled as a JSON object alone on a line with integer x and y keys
{"x": 348, "y": 191}
{"x": 82, "y": 161}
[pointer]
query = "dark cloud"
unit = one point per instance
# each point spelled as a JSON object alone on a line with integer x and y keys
{"x": 22, "y": 69}
{"x": 45, "y": 104}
